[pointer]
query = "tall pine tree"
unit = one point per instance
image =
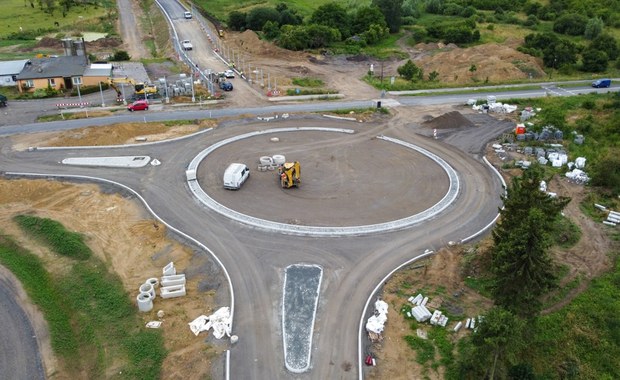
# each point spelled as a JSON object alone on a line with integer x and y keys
{"x": 522, "y": 269}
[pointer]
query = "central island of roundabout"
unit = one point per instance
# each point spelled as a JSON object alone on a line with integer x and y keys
{"x": 352, "y": 183}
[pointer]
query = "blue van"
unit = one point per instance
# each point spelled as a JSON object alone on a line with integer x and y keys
{"x": 601, "y": 83}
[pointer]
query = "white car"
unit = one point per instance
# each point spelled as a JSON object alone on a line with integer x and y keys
{"x": 188, "y": 15}
{"x": 187, "y": 45}
{"x": 229, "y": 74}
{"x": 235, "y": 175}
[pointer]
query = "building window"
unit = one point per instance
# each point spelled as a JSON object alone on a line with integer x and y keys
{"x": 29, "y": 83}
{"x": 76, "y": 80}
{"x": 51, "y": 82}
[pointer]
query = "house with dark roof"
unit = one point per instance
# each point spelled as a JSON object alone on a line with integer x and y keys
{"x": 9, "y": 71}
{"x": 62, "y": 72}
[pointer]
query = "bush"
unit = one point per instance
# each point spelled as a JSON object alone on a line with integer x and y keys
{"x": 571, "y": 24}
{"x": 120, "y": 55}
{"x": 257, "y": 17}
{"x": 237, "y": 20}
{"x": 410, "y": 71}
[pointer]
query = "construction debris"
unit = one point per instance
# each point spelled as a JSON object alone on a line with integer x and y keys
{"x": 219, "y": 321}
{"x": 376, "y": 322}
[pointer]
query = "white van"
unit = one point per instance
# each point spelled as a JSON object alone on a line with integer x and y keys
{"x": 188, "y": 15}
{"x": 235, "y": 175}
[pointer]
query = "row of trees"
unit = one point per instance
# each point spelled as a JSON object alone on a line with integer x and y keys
{"x": 328, "y": 24}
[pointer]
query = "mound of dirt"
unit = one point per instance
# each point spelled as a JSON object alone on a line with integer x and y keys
{"x": 249, "y": 42}
{"x": 449, "y": 120}
{"x": 107, "y": 42}
{"x": 48, "y": 42}
{"x": 493, "y": 62}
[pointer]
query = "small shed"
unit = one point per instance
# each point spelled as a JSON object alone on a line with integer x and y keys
{"x": 9, "y": 71}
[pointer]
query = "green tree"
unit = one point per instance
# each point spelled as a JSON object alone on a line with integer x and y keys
{"x": 521, "y": 267}
{"x": 365, "y": 17}
{"x": 410, "y": 71}
{"x": 497, "y": 341}
{"x": 120, "y": 55}
{"x": 392, "y": 11}
{"x": 334, "y": 16}
{"x": 594, "y": 28}
{"x": 293, "y": 37}
{"x": 606, "y": 172}
{"x": 290, "y": 17}
{"x": 562, "y": 53}
{"x": 271, "y": 30}
{"x": 375, "y": 33}
{"x": 433, "y": 75}
{"x": 594, "y": 60}
{"x": 236, "y": 20}
{"x": 571, "y": 24}
{"x": 320, "y": 36}
{"x": 608, "y": 44}
{"x": 258, "y": 16}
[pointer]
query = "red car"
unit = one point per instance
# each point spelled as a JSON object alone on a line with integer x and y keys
{"x": 138, "y": 105}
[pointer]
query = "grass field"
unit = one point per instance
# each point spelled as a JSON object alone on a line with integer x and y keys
{"x": 221, "y": 8}
{"x": 17, "y": 13}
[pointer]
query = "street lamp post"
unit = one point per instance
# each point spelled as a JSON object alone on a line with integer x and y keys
{"x": 193, "y": 95}
{"x": 166, "y": 90}
{"x": 101, "y": 91}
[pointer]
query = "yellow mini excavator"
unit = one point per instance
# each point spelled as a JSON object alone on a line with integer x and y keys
{"x": 289, "y": 174}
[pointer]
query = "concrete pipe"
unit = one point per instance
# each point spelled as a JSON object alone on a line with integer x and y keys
{"x": 279, "y": 159}
{"x": 153, "y": 281}
{"x": 147, "y": 287}
{"x": 265, "y": 160}
{"x": 145, "y": 302}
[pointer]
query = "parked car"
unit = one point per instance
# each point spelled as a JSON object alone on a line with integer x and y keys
{"x": 601, "y": 83}
{"x": 229, "y": 74}
{"x": 138, "y": 105}
{"x": 226, "y": 86}
{"x": 235, "y": 175}
{"x": 188, "y": 15}
{"x": 3, "y": 101}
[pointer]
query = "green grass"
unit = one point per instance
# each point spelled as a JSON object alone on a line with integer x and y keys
{"x": 34, "y": 21}
{"x": 309, "y": 91}
{"x": 42, "y": 290}
{"x": 54, "y": 234}
{"x": 93, "y": 323}
{"x": 425, "y": 350}
{"x": 221, "y": 8}
{"x": 585, "y": 333}
{"x": 566, "y": 233}
{"x": 308, "y": 82}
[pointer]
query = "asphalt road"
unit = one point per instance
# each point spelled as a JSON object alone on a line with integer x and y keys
{"x": 19, "y": 350}
{"x": 255, "y": 259}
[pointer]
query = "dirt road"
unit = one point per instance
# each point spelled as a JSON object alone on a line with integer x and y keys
{"x": 130, "y": 29}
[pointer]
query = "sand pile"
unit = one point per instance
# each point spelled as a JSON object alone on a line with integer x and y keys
{"x": 449, "y": 120}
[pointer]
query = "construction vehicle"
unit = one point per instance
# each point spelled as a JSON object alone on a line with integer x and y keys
{"x": 289, "y": 173}
{"x": 145, "y": 88}
{"x": 139, "y": 88}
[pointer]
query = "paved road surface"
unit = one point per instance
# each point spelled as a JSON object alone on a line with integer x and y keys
{"x": 256, "y": 259}
{"x": 19, "y": 350}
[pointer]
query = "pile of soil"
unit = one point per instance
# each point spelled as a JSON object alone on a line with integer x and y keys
{"x": 48, "y": 42}
{"x": 250, "y": 43}
{"x": 104, "y": 43}
{"x": 493, "y": 63}
{"x": 450, "y": 120}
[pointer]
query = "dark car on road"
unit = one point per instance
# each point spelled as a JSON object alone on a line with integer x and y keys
{"x": 3, "y": 101}
{"x": 226, "y": 86}
{"x": 138, "y": 105}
